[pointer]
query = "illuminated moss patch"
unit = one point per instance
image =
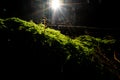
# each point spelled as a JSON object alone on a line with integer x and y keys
{"x": 50, "y": 46}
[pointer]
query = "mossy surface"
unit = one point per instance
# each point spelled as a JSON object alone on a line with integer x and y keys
{"x": 86, "y": 54}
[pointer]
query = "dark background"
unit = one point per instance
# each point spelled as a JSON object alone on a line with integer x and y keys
{"x": 105, "y": 14}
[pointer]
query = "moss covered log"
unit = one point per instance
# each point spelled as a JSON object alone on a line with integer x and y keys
{"x": 49, "y": 50}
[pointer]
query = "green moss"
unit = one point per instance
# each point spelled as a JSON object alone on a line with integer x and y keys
{"x": 53, "y": 46}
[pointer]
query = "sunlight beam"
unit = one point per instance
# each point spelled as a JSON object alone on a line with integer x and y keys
{"x": 55, "y": 4}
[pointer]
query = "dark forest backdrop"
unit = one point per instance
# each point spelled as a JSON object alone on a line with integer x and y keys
{"x": 105, "y": 14}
